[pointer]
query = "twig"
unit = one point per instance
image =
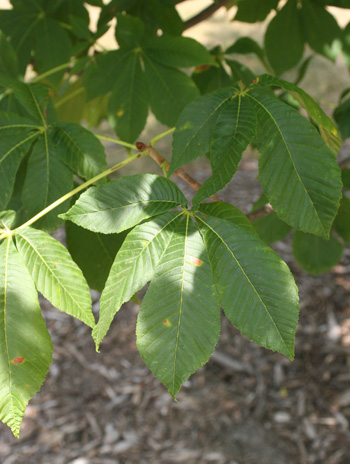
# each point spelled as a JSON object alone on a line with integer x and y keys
{"x": 260, "y": 212}
{"x": 163, "y": 163}
{"x": 205, "y": 14}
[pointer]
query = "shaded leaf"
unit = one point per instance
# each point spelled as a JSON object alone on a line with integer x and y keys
{"x": 240, "y": 72}
{"x": 315, "y": 254}
{"x": 284, "y": 42}
{"x": 94, "y": 253}
{"x": 170, "y": 90}
{"x": 179, "y": 321}
{"x": 195, "y": 126}
{"x": 342, "y": 221}
{"x": 128, "y": 103}
{"x": 47, "y": 180}
{"x": 123, "y": 203}
{"x": 79, "y": 149}
{"x": 234, "y": 129}
{"x": 8, "y": 58}
{"x": 251, "y": 11}
{"x": 246, "y": 45}
{"x": 133, "y": 267}
{"x": 53, "y": 47}
{"x": 260, "y": 298}
{"x": 320, "y": 29}
{"x": 296, "y": 167}
{"x": 178, "y": 52}
{"x": 25, "y": 346}
{"x": 271, "y": 228}
{"x": 16, "y": 134}
{"x": 6, "y": 219}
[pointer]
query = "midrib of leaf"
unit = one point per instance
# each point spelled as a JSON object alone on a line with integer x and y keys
{"x": 246, "y": 276}
{"x": 47, "y": 168}
{"x": 290, "y": 156}
{"x": 37, "y": 107}
{"x": 52, "y": 272}
{"x": 126, "y": 206}
{"x": 5, "y": 330}
{"x": 29, "y": 126}
{"x": 181, "y": 303}
{"x": 18, "y": 145}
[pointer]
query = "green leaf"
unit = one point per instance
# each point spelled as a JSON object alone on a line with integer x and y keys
{"x": 325, "y": 125}
{"x": 170, "y": 90}
{"x": 129, "y": 30}
{"x": 246, "y": 45}
{"x": 99, "y": 77}
{"x": 179, "y": 321}
{"x": 252, "y": 11}
{"x": 210, "y": 78}
{"x": 35, "y": 99}
{"x": 133, "y": 267}
{"x": 53, "y": 47}
{"x": 16, "y": 134}
{"x": 178, "y": 52}
{"x": 298, "y": 172}
{"x": 284, "y": 42}
{"x": 70, "y": 105}
{"x": 55, "y": 274}
{"x": 25, "y": 347}
{"x": 342, "y": 117}
{"x": 240, "y": 72}
{"x": 228, "y": 212}
{"x": 320, "y": 29}
{"x": 80, "y": 27}
{"x": 123, "y": 203}
{"x": 342, "y": 221}
{"x": 79, "y": 149}
{"x": 315, "y": 254}
{"x": 7, "y": 218}
{"x": 47, "y": 180}
{"x": 94, "y": 253}
{"x": 234, "y": 129}
{"x": 271, "y": 228}
{"x": 260, "y": 298}
{"x": 345, "y": 173}
{"x": 195, "y": 126}
{"x": 128, "y": 103}
{"x": 8, "y": 58}
{"x": 20, "y": 27}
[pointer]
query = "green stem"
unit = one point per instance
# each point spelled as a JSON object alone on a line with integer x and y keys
{"x": 80, "y": 188}
{"x": 118, "y": 142}
{"x": 68, "y": 97}
{"x": 160, "y": 136}
{"x": 51, "y": 71}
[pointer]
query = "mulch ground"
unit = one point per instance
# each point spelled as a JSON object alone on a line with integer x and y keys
{"x": 247, "y": 405}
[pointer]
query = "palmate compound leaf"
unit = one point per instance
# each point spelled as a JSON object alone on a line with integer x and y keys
{"x": 179, "y": 321}
{"x": 55, "y": 274}
{"x": 25, "y": 344}
{"x": 124, "y": 202}
{"x": 234, "y": 129}
{"x": 260, "y": 296}
{"x": 16, "y": 135}
{"x": 298, "y": 172}
{"x": 134, "y": 266}
{"x": 195, "y": 127}
{"x": 325, "y": 125}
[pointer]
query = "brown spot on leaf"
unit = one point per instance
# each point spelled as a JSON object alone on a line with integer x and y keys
{"x": 167, "y": 323}
{"x": 196, "y": 261}
{"x": 120, "y": 113}
{"x": 18, "y": 360}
